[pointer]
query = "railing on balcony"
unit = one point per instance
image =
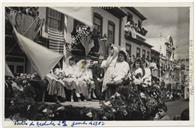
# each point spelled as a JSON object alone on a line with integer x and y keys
{"x": 134, "y": 35}
{"x": 132, "y": 31}
{"x": 138, "y": 27}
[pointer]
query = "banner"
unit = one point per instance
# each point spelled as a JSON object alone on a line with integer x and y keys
{"x": 42, "y": 58}
{"x": 83, "y": 14}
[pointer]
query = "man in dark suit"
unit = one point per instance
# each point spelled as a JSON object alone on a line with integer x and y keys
{"x": 98, "y": 75}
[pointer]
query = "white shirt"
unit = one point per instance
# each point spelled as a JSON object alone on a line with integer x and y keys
{"x": 147, "y": 77}
{"x": 138, "y": 80}
{"x": 139, "y": 70}
{"x": 120, "y": 70}
{"x": 70, "y": 71}
{"x": 147, "y": 73}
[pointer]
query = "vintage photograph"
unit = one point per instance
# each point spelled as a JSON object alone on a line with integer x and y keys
{"x": 97, "y": 63}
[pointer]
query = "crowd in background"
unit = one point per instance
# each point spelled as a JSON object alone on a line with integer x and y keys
{"x": 87, "y": 79}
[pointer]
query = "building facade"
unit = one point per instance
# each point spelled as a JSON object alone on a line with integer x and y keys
{"x": 155, "y": 57}
{"x": 53, "y": 29}
{"x": 135, "y": 35}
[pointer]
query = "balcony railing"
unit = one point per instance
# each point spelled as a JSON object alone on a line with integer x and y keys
{"x": 137, "y": 27}
{"x": 134, "y": 35}
{"x": 132, "y": 31}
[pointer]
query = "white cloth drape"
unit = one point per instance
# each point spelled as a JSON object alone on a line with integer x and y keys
{"x": 108, "y": 65}
{"x": 8, "y": 71}
{"x": 42, "y": 58}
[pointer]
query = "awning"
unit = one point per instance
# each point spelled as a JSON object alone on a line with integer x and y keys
{"x": 83, "y": 14}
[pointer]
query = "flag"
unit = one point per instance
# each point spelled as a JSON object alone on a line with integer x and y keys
{"x": 27, "y": 25}
{"x": 42, "y": 58}
{"x": 8, "y": 71}
{"x": 56, "y": 40}
{"x": 87, "y": 43}
{"x": 83, "y": 14}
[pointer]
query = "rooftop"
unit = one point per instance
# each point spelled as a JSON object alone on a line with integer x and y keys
{"x": 137, "y": 12}
{"x": 116, "y": 11}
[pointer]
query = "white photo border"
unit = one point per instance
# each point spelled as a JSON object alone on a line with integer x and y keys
{"x": 121, "y": 4}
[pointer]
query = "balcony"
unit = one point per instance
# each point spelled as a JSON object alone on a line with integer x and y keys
{"x": 131, "y": 33}
{"x": 137, "y": 27}
{"x": 135, "y": 32}
{"x": 138, "y": 40}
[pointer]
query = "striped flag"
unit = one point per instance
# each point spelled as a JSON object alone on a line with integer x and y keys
{"x": 42, "y": 58}
{"x": 56, "y": 40}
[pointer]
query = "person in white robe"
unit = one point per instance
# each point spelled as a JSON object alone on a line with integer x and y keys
{"x": 85, "y": 81}
{"x": 108, "y": 65}
{"x": 55, "y": 86}
{"x": 118, "y": 74}
{"x": 121, "y": 68}
{"x": 138, "y": 72}
{"x": 69, "y": 73}
{"x": 147, "y": 78}
{"x": 70, "y": 78}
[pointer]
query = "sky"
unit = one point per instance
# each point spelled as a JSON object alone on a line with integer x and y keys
{"x": 163, "y": 22}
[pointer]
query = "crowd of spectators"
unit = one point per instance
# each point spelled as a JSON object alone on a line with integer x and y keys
{"x": 86, "y": 80}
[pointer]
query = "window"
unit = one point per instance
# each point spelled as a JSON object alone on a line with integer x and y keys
{"x": 16, "y": 64}
{"x": 97, "y": 22}
{"x": 54, "y": 19}
{"x": 16, "y": 67}
{"x": 20, "y": 69}
{"x": 143, "y": 53}
{"x": 128, "y": 49}
{"x": 111, "y": 32}
{"x": 148, "y": 55}
{"x": 138, "y": 52}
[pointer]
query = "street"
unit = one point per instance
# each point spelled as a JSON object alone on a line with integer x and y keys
{"x": 176, "y": 107}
